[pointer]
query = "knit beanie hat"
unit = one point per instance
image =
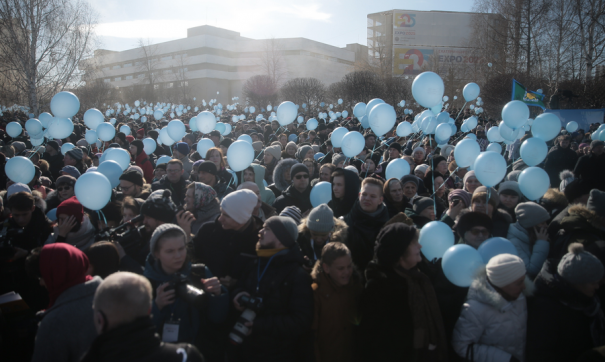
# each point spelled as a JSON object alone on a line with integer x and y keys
{"x": 239, "y": 205}
{"x": 141, "y": 131}
{"x": 392, "y": 242}
{"x": 53, "y": 144}
{"x": 297, "y": 168}
{"x": 566, "y": 177}
{"x": 577, "y": 188}
{"x": 321, "y": 219}
{"x": 129, "y": 138}
{"x": 530, "y": 214}
{"x": 471, "y": 219}
{"x": 421, "y": 168}
{"x": 292, "y": 212}
{"x": 257, "y": 146}
{"x": 493, "y": 195}
{"x": 446, "y": 150}
{"x": 302, "y": 152}
{"x": 354, "y": 169}
{"x": 159, "y": 205}
{"x": 208, "y": 166}
{"x": 274, "y": 151}
{"x": 291, "y": 144}
{"x": 579, "y": 266}
{"x": 75, "y": 153}
{"x": 133, "y": 176}
{"x": 396, "y": 146}
{"x": 421, "y": 203}
{"x": 410, "y": 178}
{"x": 226, "y": 142}
{"x": 17, "y": 187}
{"x": 182, "y": 147}
{"x": 338, "y": 158}
{"x": 512, "y": 176}
{"x": 161, "y": 230}
{"x": 82, "y": 142}
{"x": 72, "y": 171}
{"x": 65, "y": 180}
{"x": 18, "y": 146}
{"x": 504, "y": 269}
{"x": 71, "y": 207}
{"x": 139, "y": 145}
{"x": 465, "y": 196}
{"x": 596, "y": 202}
{"x": 438, "y": 159}
{"x": 284, "y": 228}
{"x": 419, "y": 149}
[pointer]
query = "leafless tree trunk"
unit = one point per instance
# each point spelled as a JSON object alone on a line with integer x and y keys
{"x": 150, "y": 65}
{"x": 272, "y": 62}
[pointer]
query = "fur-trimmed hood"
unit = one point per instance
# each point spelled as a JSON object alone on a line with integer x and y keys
{"x": 278, "y": 173}
{"x": 483, "y": 292}
{"x": 554, "y": 201}
{"x": 580, "y": 214}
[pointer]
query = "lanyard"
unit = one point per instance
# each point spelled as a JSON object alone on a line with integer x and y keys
{"x": 260, "y": 275}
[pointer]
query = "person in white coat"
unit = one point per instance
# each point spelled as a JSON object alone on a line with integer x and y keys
{"x": 529, "y": 236}
{"x": 493, "y": 324}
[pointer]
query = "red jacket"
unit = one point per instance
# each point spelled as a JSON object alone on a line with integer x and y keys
{"x": 143, "y": 162}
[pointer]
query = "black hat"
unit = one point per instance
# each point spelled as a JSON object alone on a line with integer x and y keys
{"x": 577, "y": 188}
{"x": 215, "y": 133}
{"x": 133, "y": 176}
{"x": 396, "y": 146}
{"x": 298, "y": 167}
{"x": 438, "y": 159}
{"x": 159, "y": 205}
{"x": 226, "y": 142}
{"x": 392, "y": 242}
{"x": 368, "y": 135}
{"x": 139, "y": 145}
{"x": 121, "y": 136}
{"x": 472, "y": 219}
{"x": 208, "y": 166}
{"x": 153, "y": 134}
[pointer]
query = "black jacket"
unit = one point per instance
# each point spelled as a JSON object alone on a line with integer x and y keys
{"x": 55, "y": 163}
{"x": 287, "y": 312}
{"x": 591, "y": 167}
{"x": 178, "y": 189}
{"x": 557, "y": 160}
{"x": 352, "y": 186}
{"x": 562, "y": 322}
{"x": 362, "y": 232}
{"x": 138, "y": 342}
{"x": 293, "y": 197}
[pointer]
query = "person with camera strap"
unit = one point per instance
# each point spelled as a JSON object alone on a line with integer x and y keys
{"x": 276, "y": 297}
{"x": 188, "y": 299}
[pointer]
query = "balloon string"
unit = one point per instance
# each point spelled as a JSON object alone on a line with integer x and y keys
{"x": 433, "y": 176}
{"x": 461, "y": 109}
{"x": 372, "y": 154}
{"x": 99, "y": 214}
{"x": 326, "y": 155}
{"x": 449, "y": 177}
{"x": 463, "y": 134}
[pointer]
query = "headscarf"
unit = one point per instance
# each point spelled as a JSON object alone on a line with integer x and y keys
{"x": 468, "y": 174}
{"x": 203, "y": 195}
{"x": 62, "y": 266}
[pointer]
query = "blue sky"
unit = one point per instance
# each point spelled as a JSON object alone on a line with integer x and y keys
{"x": 335, "y": 22}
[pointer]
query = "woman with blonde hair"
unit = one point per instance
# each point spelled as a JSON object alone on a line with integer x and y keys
{"x": 215, "y": 155}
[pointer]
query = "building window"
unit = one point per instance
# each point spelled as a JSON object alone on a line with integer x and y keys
{"x": 156, "y": 86}
{"x": 106, "y": 68}
{"x": 118, "y": 79}
{"x": 185, "y": 84}
{"x": 116, "y": 67}
{"x": 107, "y": 80}
{"x": 127, "y": 65}
{"x": 128, "y": 77}
{"x": 141, "y": 76}
{"x": 167, "y": 58}
{"x": 169, "y": 85}
{"x": 138, "y": 63}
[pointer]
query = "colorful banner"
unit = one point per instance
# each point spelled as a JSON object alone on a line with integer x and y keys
{"x": 410, "y": 61}
{"x": 531, "y": 98}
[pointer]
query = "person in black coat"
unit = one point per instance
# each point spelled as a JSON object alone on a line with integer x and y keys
{"x": 173, "y": 180}
{"x": 122, "y": 304}
{"x": 592, "y": 166}
{"x": 345, "y": 190}
{"x": 565, "y": 318}
{"x": 287, "y": 308}
{"x": 298, "y": 193}
{"x": 559, "y": 158}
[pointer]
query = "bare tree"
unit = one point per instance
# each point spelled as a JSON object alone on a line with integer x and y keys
{"x": 361, "y": 86}
{"x": 41, "y": 44}
{"x": 591, "y": 28}
{"x": 149, "y": 66}
{"x": 260, "y": 90}
{"x": 303, "y": 90}
{"x": 272, "y": 62}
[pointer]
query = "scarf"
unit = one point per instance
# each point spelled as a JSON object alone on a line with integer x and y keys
{"x": 203, "y": 195}
{"x": 267, "y": 253}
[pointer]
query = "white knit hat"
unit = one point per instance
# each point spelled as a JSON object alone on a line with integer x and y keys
{"x": 504, "y": 269}
{"x": 239, "y": 205}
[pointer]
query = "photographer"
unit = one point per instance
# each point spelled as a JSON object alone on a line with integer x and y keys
{"x": 278, "y": 279}
{"x": 178, "y": 317}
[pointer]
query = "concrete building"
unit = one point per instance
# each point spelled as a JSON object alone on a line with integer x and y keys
{"x": 211, "y": 60}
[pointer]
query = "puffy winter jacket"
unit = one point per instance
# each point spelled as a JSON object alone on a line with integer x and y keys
{"x": 533, "y": 255}
{"x": 494, "y": 326}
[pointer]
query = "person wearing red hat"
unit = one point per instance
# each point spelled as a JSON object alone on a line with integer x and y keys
{"x": 74, "y": 226}
{"x": 141, "y": 159}
{"x": 129, "y": 138}
{"x": 140, "y": 133}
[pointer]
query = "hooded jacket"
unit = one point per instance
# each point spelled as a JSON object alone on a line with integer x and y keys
{"x": 267, "y": 196}
{"x": 221, "y": 187}
{"x": 557, "y": 160}
{"x": 279, "y": 181}
{"x": 81, "y": 239}
{"x": 352, "y": 187}
{"x": 494, "y": 326}
{"x": 293, "y": 197}
{"x": 270, "y": 170}
{"x": 533, "y": 253}
{"x": 580, "y": 226}
{"x": 362, "y": 231}
{"x": 591, "y": 167}
{"x": 308, "y": 247}
{"x": 142, "y": 160}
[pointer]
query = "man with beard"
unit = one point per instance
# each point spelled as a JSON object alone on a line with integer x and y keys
{"x": 559, "y": 158}
{"x": 481, "y": 139}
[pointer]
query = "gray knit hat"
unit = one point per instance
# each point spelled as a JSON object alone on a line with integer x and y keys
{"x": 530, "y": 214}
{"x": 161, "y": 230}
{"x": 596, "y": 202}
{"x": 75, "y": 153}
{"x": 422, "y": 203}
{"x": 512, "y": 176}
{"x": 337, "y": 158}
{"x": 275, "y": 151}
{"x": 302, "y": 151}
{"x": 284, "y": 228}
{"x": 579, "y": 266}
{"x": 509, "y": 186}
{"x": 321, "y": 219}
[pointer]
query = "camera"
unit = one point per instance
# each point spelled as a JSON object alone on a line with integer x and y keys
{"x": 127, "y": 238}
{"x": 187, "y": 292}
{"x": 252, "y": 305}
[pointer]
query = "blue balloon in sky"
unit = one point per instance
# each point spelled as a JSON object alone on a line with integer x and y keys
{"x": 64, "y": 105}
{"x": 435, "y": 237}
{"x": 112, "y": 170}
{"x": 93, "y": 190}
{"x": 240, "y": 155}
{"x": 397, "y": 169}
{"x": 321, "y": 193}
{"x": 460, "y": 263}
{"x": 428, "y": 89}
{"x": 470, "y": 92}
{"x": 496, "y": 246}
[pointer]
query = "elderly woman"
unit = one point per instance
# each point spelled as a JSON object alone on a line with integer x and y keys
{"x": 410, "y": 186}
{"x": 470, "y": 182}
{"x": 65, "y": 190}
{"x": 201, "y": 200}
{"x": 400, "y": 319}
{"x": 457, "y": 201}
{"x": 419, "y": 154}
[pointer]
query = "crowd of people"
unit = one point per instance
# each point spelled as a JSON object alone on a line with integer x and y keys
{"x": 191, "y": 261}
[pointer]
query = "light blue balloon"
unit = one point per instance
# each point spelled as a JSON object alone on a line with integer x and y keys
{"x": 466, "y": 152}
{"x": 359, "y": 110}
{"x": 397, "y": 169}
{"x": 193, "y": 124}
{"x": 534, "y": 182}
{"x": 533, "y": 151}
{"x": 120, "y": 155}
{"x": 165, "y": 137}
{"x": 382, "y": 118}
{"x": 93, "y": 118}
{"x": 496, "y": 246}
{"x": 321, "y": 193}
{"x": 52, "y": 214}
{"x": 286, "y": 113}
{"x": 246, "y": 138}
{"x": 471, "y": 136}
{"x": 443, "y": 117}
{"x": 435, "y": 237}
{"x": 404, "y": 129}
{"x": 571, "y": 126}
{"x": 45, "y": 118}
{"x": 365, "y": 123}
{"x": 454, "y": 128}
{"x": 204, "y": 145}
{"x": 240, "y": 155}
{"x": 112, "y": 170}
{"x": 176, "y": 129}
{"x": 428, "y": 89}
{"x": 158, "y": 114}
{"x": 20, "y": 169}
{"x": 33, "y": 126}
{"x": 312, "y": 124}
{"x": 443, "y": 131}
{"x": 66, "y": 147}
{"x": 292, "y": 138}
{"x": 352, "y": 144}
{"x": 149, "y": 145}
{"x": 64, "y": 105}
{"x": 206, "y": 122}
{"x": 460, "y": 263}
{"x": 125, "y": 129}
{"x": 60, "y": 128}
{"x": 36, "y": 141}
{"x": 93, "y": 190}
{"x": 106, "y": 132}
{"x": 14, "y": 129}
{"x": 470, "y": 92}
{"x": 163, "y": 159}
{"x": 515, "y": 114}
{"x": 318, "y": 155}
{"x": 546, "y": 126}
{"x": 508, "y": 133}
{"x": 220, "y": 126}
{"x": 494, "y": 147}
{"x": 493, "y": 134}
{"x": 371, "y": 104}
{"x": 490, "y": 168}
{"x": 91, "y": 136}
{"x": 437, "y": 108}
{"x": 337, "y": 136}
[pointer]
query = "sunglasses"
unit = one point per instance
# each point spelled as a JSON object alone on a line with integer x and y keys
{"x": 66, "y": 188}
{"x": 476, "y": 232}
{"x": 298, "y": 177}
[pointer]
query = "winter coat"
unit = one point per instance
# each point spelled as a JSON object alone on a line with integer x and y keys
{"x": 580, "y": 226}
{"x": 557, "y": 160}
{"x": 266, "y": 211}
{"x": 494, "y": 326}
{"x": 177, "y": 189}
{"x": 206, "y": 213}
{"x": 533, "y": 253}
{"x": 555, "y": 226}
{"x": 52, "y": 200}
{"x": 336, "y": 318}
{"x": 222, "y": 189}
{"x": 81, "y": 239}
{"x": 192, "y": 319}
{"x": 221, "y": 250}
{"x": 270, "y": 170}
{"x": 419, "y": 221}
{"x": 352, "y": 186}
{"x": 138, "y": 341}
{"x": 362, "y": 231}
{"x": 267, "y": 196}
{"x": 279, "y": 182}
{"x": 563, "y": 323}
{"x": 145, "y": 164}
{"x": 287, "y": 312}
{"x": 67, "y": 329}
{"x": 591, "y": 167}
{"x": 293, "y": 197}
{"x": 55, "y": 164}
{"x": 501, "y": 220}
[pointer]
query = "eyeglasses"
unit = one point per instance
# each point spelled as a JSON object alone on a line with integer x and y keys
{"x": 476, "y": 232}
{"x": 298, "y": 177}
{"x": 66, "y": 188}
